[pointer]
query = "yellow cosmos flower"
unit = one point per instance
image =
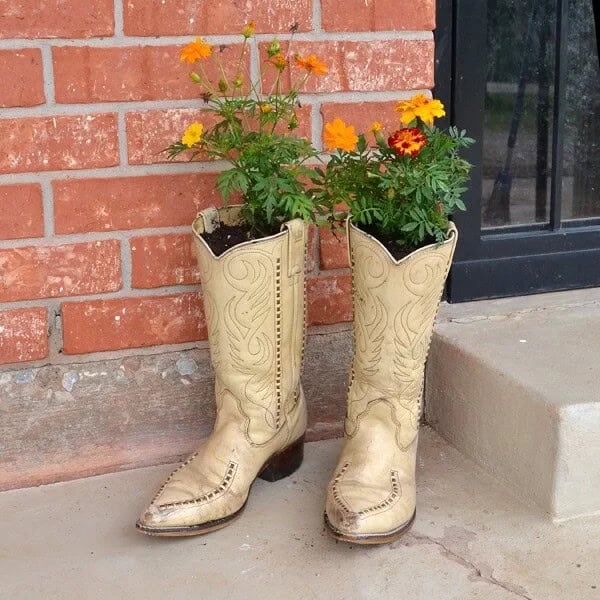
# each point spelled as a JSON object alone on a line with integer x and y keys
{"x": 311, "y": 64}
{"x": 193, "y": 134}
{"x": 376, "y": 127}
{"x": 278, "y": 61}
{"x": 340, "y": 136}
{"x": 266, "y": 108}
{"x": 194, "y": 51}
{"x": 419, "y": 107}
{"x": 248, "y": 30}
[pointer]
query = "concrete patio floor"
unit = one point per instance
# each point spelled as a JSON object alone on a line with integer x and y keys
{"x": 471, "y": 540}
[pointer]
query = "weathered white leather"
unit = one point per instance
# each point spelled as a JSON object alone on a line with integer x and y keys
{"x": 254, "y": 303}
{"x": 372, "y": 492}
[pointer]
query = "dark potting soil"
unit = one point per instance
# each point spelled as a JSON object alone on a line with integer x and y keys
{"x": 392, "y": 246}
{"x": 227, "y": 236}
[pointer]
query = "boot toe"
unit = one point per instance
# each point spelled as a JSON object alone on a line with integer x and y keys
{"x": 365, "y": 511}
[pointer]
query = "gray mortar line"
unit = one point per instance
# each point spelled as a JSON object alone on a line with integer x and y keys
{"x": 93, "y": 236}
{"x": 317, "y": 17}
{"x": 157, "y": 40}
{"x": 137, "y": 293}
{"x": 122, "y": 140}
{"x": 79, "y": 109}
{"x": 118, "y": 17}
{"x": 47, "y": 74}
{"x": 48, "y": 207}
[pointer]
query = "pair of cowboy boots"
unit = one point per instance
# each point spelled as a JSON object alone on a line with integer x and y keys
{"x": 254, "y": 297}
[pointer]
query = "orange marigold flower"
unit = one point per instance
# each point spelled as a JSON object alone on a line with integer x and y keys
{"x": 311, "y": 64}
{"x": 248, "y": 30}
{"x": 421, "y": 107}
{"x": 339, "y": 136}
{"x": 279, "y": 61}
{"x": 194, "y": 51}
{"x": 407, "y": 141}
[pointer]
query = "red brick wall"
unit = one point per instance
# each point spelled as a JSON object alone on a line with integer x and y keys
{"x": 94, "y": 223}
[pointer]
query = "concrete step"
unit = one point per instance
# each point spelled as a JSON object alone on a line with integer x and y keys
{"x": 515, "y": 385}
{"x": 471, "y": 540}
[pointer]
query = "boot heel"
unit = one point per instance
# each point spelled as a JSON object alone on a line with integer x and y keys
{"x": 285, "y": 463}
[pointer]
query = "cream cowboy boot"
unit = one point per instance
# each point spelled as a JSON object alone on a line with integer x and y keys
{"x": 372, "y": 497}
{"x": 254, "y": 302}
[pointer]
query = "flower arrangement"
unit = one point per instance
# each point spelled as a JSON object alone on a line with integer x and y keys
{"x": 403, "y": 189}
{"x": 254, "y": 131}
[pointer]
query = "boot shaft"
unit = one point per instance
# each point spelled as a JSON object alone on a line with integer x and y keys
{"x": 395, "y": 304}
{"x": 254, "y": 301}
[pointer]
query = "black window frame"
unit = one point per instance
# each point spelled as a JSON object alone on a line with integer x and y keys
{"x": 523, "y": 259}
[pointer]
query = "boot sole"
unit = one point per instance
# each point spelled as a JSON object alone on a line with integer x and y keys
{"x": 372, "y": 538}
{"x": 280, "y": 465}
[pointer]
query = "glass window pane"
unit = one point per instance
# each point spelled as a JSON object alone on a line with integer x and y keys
{"x": 518, "y": 112}
{"x": 581, "y": 173}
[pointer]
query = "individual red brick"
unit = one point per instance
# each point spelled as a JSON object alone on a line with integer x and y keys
{"x": 51, "y": 271}
{"x": 329, "y": 299}
{"x": 150, "y": 132}
{"x": 23, "y": 69}
{"x": 158, "y": 260}
{"x": 56, "y": 18}
{"x": 132, "y": 323}
{"x": 82, "y": 205}
{"x": 181, "y": 17}
{"x": 21, "y": 211}
{"x": 378, "y": 15}
{"x": 362, "y": 115}
{"x": 58, "y": 143}
{"x": 87, "y": 74}
{"x": 333, "y": 248}
{"x": 367, "y": 66}
{"x": 23, "y": 334}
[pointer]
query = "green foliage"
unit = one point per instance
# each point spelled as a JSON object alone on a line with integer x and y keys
{"x": 253, "y": 131}
{"x": 405, "y": 198}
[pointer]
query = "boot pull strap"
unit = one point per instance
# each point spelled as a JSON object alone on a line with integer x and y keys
{"x": 296, "y": 246}
{"x": 210, "y": 219}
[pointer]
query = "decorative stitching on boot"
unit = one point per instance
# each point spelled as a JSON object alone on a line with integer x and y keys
{"x": 164, "y": 485}
{"x": 209, "y": 496}
{"x": 278, "y": 342}
{"x": 389, "y": 501}
{"x": 337, "y": 495}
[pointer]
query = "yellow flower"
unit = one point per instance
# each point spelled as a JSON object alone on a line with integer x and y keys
{"x": 248, "y": 30}
{"x": 279, "y": 61}
{"x": 266, "y": 108}
{"x": 193, "y": 134}
{"x": 194, "y": 51}
{"x": 311, "y": 64}
{"x": 339, "y": 136}
{"x": 376, "y": 127}
{"x": 421, "y": 107}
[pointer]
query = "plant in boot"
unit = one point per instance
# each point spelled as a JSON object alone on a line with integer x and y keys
{"x": 253, "y": 299}
{"x": 403, "y": 189}
{"x": 400, "y": 194}
{"x": 254, "y": 130}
